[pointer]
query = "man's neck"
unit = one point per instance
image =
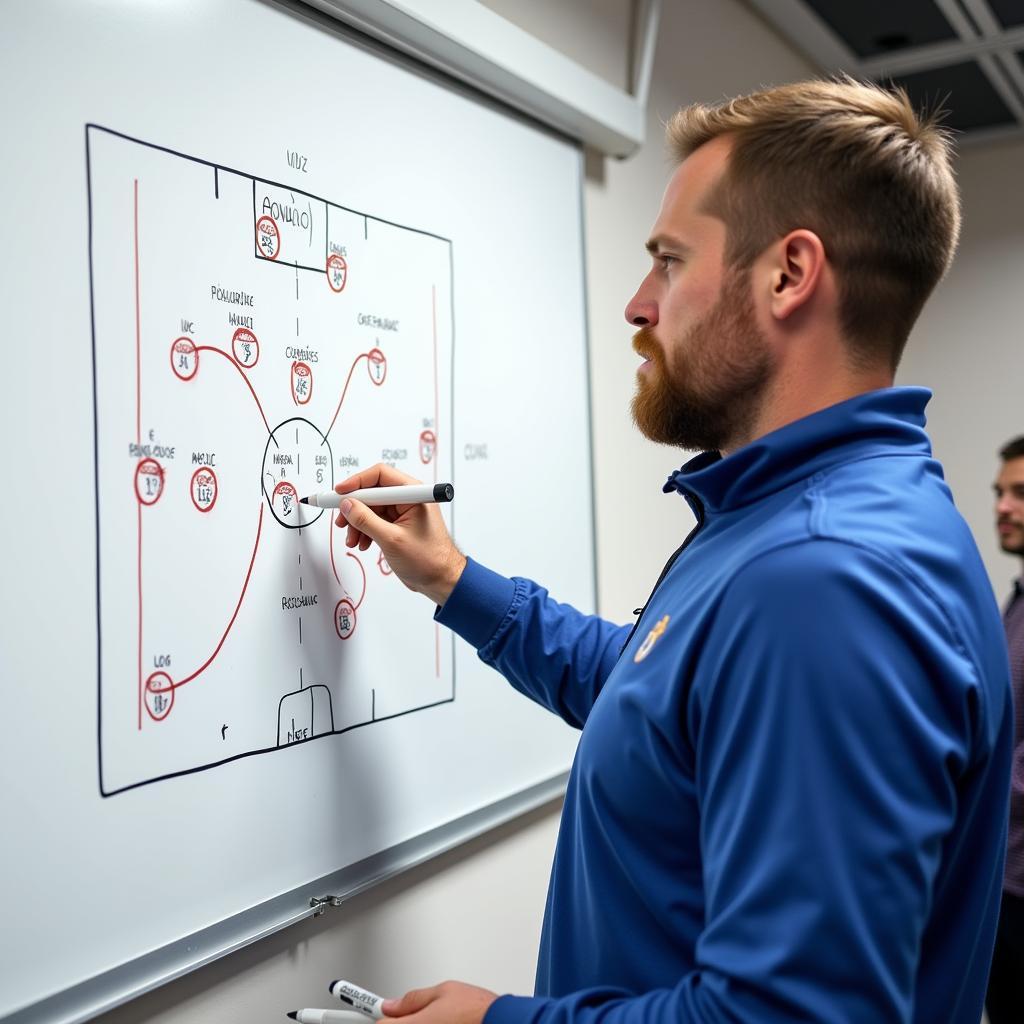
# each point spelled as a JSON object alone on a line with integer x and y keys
{"x": 792, "y": 396}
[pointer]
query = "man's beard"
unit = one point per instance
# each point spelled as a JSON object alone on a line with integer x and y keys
{"x": 722, "y": 367}
{"x": 1011, "y": 547}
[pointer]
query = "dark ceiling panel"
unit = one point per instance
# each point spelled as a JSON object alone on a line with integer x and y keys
{"x": 1009, "y": 12}
{"x": 962, "y": 89}
{"x": 871, "y": 28}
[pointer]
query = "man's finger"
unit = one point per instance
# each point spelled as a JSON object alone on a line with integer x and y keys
{"x": 412, "y": 1002}
{"x": 362, "y": 519}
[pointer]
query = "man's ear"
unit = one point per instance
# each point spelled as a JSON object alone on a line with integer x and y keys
{"x": 796, "y": 268}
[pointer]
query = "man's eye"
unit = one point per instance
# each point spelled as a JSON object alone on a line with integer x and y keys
{"x": 666, "y": 260}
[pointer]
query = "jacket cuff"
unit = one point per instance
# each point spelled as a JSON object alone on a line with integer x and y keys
{"x": 478, "y": 604}
{"x": 515, "y": 1010}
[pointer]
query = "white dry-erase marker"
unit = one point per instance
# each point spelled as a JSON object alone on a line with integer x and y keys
{"x": 358, "y": 998}
{"x": 401, "y": 494}
{"x": 326, "y": 1016}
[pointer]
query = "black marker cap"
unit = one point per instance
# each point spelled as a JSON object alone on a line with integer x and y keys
{"x": 443, "y": 492}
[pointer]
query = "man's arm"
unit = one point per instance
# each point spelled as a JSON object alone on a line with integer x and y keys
{"x": 549, "y": 651}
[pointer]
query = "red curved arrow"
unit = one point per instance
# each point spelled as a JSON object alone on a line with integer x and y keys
{"x": 206, "y": 664}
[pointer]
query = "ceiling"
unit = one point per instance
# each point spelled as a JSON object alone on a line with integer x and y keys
{"x": 965, "y": 56}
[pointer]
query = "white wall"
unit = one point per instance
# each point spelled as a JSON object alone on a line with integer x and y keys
{"x": 968, "y": 345}
{"x": 707, "y": 50}
{"x": 475, "y": 913}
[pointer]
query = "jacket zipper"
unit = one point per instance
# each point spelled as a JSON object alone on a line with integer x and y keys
{"x": 698, "y": 510}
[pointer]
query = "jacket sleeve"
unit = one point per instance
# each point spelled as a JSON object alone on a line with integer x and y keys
{"x": 551, "y": 652}
{"x": 832, "y": 725}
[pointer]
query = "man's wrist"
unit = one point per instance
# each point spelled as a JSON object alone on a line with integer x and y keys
{"x": 440, "y": 591}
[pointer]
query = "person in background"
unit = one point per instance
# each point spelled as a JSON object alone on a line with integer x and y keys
{"x": 788, "y": 802}
{"x": 1004, "y": 1002}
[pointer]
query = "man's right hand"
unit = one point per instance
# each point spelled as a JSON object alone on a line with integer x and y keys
{"x": 413, "y": 538}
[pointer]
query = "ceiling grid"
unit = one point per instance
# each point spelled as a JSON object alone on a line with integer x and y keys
{"x": 964, "y": 56}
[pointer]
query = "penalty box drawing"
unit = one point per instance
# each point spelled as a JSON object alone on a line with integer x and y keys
{"x": 252, "y": 343}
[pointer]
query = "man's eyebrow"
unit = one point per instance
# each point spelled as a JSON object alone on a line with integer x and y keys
{"x": 655, "y": 244}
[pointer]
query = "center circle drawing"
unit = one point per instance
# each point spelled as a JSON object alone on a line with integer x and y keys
{"x": 297, "y": 461}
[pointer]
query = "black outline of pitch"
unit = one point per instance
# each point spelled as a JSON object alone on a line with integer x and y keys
{"x": 312, "y": 711}
{"x": 257, "y": 216}
{"x": 270, "y": 750}
{"x": 96, "y": 458}
{"x": 266, "y": 181}
{"x": 263, "y": 485}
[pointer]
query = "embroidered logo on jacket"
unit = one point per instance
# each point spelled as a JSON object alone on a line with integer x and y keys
{"x": 651, "y": 639}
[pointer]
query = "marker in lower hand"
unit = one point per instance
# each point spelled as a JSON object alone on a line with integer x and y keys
{"x": 401, "y": 494}
{"x": 326, "y": 1016}
{"x": 358, "y": 998}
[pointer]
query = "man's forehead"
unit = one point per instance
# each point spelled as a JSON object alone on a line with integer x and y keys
{"x": 1012, "y": 471}
{"x": 702, "y": 169}
{"x": 690, "y": 185}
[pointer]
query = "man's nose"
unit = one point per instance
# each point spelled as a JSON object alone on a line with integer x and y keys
{"x": 642, "y": 310}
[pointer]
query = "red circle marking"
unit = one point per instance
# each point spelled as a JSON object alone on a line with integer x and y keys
{"x": 269, "y": 226}
{"x": 284, "y": 488}
{"x": 159, "y": 685}
{"x": 203, "y": 471}
{"x": 300, "y": 371}
{"x": 428, "y": 445}
{"x": 186, "y": 347}
{"x": 376, "y": 358}
{"x": 336, "y": 266}
{"x": 384, "y": 565}
{"x": 241, "y": 337}
{"x": 149, "y": 467}
{"x": 351, "y": 609}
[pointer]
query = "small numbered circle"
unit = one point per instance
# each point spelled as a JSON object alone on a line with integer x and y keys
{"x": 245, "y": 347}
{"x": 159, "y": 696}
{"x": 268, "y": 238}
{"x": 377, "y": 365}
{"x": 285, "y": 502}
{"x": 344, "y": 618}
{"x": 203, "y": 489}
{"x": 184, "y": 358}
{"x": 149, "y": 481}
{"x": 428, "y": 445}
{"x": 337, "y": 272}
{"x": 302, "y": 383}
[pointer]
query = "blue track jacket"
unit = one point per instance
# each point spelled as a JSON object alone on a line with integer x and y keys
{"x": 789, "y": 799}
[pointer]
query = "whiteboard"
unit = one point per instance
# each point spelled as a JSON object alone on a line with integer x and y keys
{"x": 244, "y": 254}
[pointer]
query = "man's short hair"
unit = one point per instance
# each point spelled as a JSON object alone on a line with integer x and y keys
{"x": 854, "y": 163}
{"x": 1012, "y": 449}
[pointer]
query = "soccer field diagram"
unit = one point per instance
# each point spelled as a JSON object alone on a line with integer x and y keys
{"x": 253, "y": 343}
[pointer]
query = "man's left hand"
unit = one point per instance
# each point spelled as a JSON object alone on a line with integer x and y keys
{"x": 451, "y": 1002}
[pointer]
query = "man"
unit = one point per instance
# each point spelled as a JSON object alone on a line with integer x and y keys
{"x": 789, "y": 797}
{"x": 1004, "y": 1002}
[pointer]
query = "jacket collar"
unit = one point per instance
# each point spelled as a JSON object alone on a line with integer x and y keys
{"x": 889, "y": 421}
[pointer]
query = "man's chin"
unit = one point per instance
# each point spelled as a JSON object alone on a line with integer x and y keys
{"x": 1012, "y": 546}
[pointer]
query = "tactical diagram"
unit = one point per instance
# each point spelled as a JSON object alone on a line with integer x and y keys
{"x": 253, "y": 343}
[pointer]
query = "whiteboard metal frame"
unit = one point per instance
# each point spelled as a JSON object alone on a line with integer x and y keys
{"x": 120, "y": 985}
{"x": 470, "y": 42}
